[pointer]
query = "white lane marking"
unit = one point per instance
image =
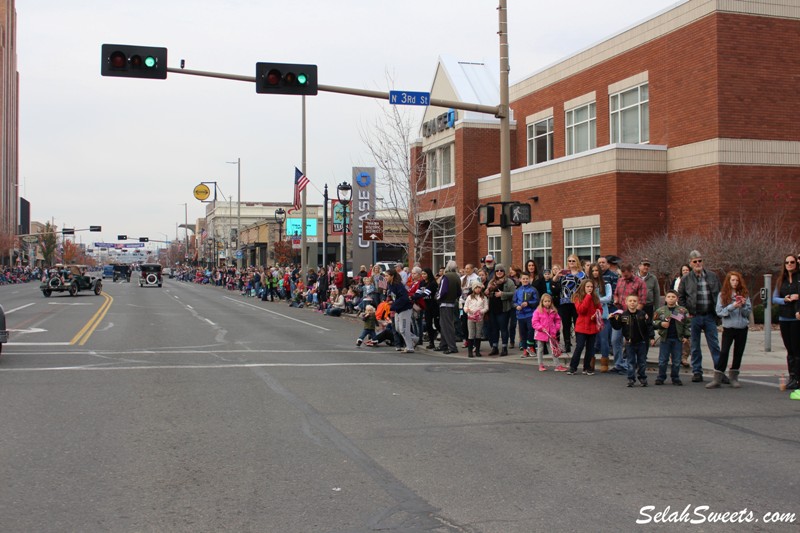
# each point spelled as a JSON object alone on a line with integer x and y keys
{"x": 207, "y": 320}
{"x": 20, "y": 307}
{"x": 275, "y": 313}
{"x": 189, "y": 307}
{"x": 66, "y": 303}
{"x": 29, "y": 330}
{"x": 223, "y": 366}
{"x": 37, "y": 344}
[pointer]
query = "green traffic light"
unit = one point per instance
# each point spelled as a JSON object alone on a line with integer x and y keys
{"x": 302, "y": 79}
{"x": 150, "y": 61}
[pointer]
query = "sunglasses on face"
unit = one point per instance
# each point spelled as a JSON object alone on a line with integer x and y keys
{"x": 695, "y": 261}
{"x": 790, "y": 262}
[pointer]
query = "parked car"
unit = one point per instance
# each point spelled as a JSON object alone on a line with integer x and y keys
{"x": 71, "y": 279}
{"x": 149, "y": 275}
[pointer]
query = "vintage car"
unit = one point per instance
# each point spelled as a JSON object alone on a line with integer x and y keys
{"x": 149, "y": 275}
{"x": 72, "y": 279}
{"x": 3, "y": 331}
{"x": 122, "y": 272}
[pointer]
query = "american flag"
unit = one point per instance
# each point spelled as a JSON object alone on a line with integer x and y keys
{"x": 678, "y": 316}
{"x": 300, "y": 182}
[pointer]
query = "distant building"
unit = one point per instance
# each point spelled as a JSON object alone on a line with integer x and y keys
{"x": 684, "y": 121}
{"x": 9, "y": 118}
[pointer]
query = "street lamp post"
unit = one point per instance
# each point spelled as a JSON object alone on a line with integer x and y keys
{"x": 238, "y": 164}
{"x": 280, "y": 218}
{"x": 344, "y": 191}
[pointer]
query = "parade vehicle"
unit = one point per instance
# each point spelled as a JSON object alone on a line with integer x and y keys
{"x": 149, "y": 275}
{"x": 108, "y": 271}
{"x": 122, "y": 272}
{"x": 3, "y": 331}
{"x": 71, "y": 279}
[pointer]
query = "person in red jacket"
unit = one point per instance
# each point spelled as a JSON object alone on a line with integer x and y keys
{"x": 587, "y": 304}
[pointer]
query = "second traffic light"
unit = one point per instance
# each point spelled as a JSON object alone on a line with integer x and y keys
{"x": 129, "y": 61}
{"x": 286, "y": 78}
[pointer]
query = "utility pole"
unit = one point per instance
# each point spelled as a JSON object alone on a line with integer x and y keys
{"x": 505, "y": 131}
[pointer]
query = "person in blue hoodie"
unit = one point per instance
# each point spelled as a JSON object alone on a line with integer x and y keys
{"x": 526, "y": 299}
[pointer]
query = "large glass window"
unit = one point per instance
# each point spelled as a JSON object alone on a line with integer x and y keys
{"x": 444, "y": 242}
{"x": 539, "y": 247}
{"x": 540, "y": 141}
{"x": 439, "y": 167}
{"x": 583, "y": 242}
{"x": 581, "y": 129}
{"x": 494, "y": 248}
{"x": 630, "y": 116}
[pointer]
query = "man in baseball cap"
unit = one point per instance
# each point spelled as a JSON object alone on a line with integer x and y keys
{"x": 488, "y": 266}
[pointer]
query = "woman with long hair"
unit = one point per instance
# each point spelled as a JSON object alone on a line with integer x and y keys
{"x": 734, "y": 307}
{"x": 787, "y": 296}
{"x": 568, "y": 280}
{"x": 402, "y": 308}
{"x": 431, "y": 306}
{"x": 606, "y": 296}
{"x": 588, "y": 307}
{"x": 500, "y": 292}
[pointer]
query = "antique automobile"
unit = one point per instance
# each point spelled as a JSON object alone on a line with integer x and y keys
{"x": 122, "y": 272}
{"x": 149, "y": 275}
{"x": 3, "y": 331}
{"x": 71, "y": 279}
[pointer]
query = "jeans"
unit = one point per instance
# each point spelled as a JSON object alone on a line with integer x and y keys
{"x": 636, "y": 354}
{"x": 708, "y": 324}
{"x": 582, "y": 340}
{"x": 669, "y": 347}
{"x": 498, "y": 327}
{"x": 568, "y": 315}
{"x": 526, "y": 333}
{"x": 620, "y": 362}
{"x": 736, "y": 337}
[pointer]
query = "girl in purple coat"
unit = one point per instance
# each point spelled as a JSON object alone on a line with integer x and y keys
{"x": 546, "y": 324}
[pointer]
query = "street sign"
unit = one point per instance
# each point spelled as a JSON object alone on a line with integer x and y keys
{"x": 372, "y": 230}
{"x": 239, "y": 254}
{"x": 296, "y": 243}
{"x": 30, "y": 239}
{"x": 409, "y": 98}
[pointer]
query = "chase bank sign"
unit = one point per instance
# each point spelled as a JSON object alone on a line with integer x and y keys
{"x": 438, "y": 124}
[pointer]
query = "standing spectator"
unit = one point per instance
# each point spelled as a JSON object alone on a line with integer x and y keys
{"x": 675, "y": 284}
{"x": 546, "y": 323}
{"x": 514, "y": 274}
{"x": 449, "y": 292}
{"x": 588, "y": 307}
{"x": 379, "y": 280}
{"x": 537, "y": 280}
{"x": 489, "y": 266}
{"x": 787, "y": 296}
{"x": 637, "y": 329}
{"x": 651, "y": 283}
{"x": 475, "y": 307}
{"x": 733, "y": 305}
{"x": 526, "y": 299}
{"x": 606, "y": 297}
{"x": 469, "y": 277}
{"x": 402, "y": 309}
{"x": 500, "y": 293}
{"x": 673, "y": 327}
{"x": 431, "y": 306}
{"x": 627, "y": 284}
{"x": 698, "y": 293}
{"x": 417, "y": 293}
{"x": 568, "y": 280}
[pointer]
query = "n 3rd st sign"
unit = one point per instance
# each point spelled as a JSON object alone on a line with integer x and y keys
{"x": 409, "y": 98}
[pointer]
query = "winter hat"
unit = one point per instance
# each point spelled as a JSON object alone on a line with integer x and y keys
{"x": 476, "y": 284}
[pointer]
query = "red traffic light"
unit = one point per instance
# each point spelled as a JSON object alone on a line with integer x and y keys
{"x": 273, "y": 77}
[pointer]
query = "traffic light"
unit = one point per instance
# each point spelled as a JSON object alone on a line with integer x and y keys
{"x": 129, "y": 61}
{"x": 517, "y": 213}
{"x": 144, "y": 239}
{"x": 486, "y": 215}
{"x": 68, "y": 231}
{"x": 286, "y": 78}
{"x": 95, "y": 228}
{"x": 122, "y": 237}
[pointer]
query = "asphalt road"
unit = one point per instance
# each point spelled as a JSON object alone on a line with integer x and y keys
{"x": 189, "y": 408}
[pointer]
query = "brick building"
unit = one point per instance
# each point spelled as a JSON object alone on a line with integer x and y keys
{"x": 687, "y": 119}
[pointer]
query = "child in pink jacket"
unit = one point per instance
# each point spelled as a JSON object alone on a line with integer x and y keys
{"x": 546, "y": 324}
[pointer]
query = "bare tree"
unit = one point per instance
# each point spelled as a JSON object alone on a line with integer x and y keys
{"x": 389, "y": 143}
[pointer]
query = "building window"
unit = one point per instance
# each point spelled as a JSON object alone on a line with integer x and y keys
{"x": 431, "y": 170}
{"x": 630, "y": 116}
{"x": 439, "y": 167}
{"x": 581, "y": 129}
{"x": 539, "y": 247}
{"x": 444, "y": 242}
{"x": 494, "y": 248}
{"x": 583, "y": 242}
{"x": 540, "y": 141}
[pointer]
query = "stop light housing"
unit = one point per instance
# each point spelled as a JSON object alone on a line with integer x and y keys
{"x": 517, "y": 213}
{"x": 286, "y": 78}
{"x": 122, "y": 237}
{"x": 486, "y": 215}
{"x": 144, "y": 239}
{"x": 130, "y": 61}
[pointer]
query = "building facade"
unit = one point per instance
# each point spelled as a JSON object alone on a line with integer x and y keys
{"x": 684, "y": 121}
{"x": 9, "y": 119}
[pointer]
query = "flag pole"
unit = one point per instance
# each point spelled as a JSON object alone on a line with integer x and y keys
{"x": 303, "y": 251}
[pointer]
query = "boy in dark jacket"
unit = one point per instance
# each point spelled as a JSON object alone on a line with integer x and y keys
{"x": 637, "y": 329}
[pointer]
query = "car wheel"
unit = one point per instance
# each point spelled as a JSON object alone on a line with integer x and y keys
{"x": 73, "y": 290}
{"x": 98, "y": 288}
{"x": 47, "y": 293}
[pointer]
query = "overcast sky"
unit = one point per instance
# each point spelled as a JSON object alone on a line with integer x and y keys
{"x": 127, "y": 153}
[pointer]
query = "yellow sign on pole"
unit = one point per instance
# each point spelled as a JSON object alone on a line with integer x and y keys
{"x": 202, "y": 192}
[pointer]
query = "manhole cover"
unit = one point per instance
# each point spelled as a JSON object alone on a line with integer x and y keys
{"x": 469, "y": 369}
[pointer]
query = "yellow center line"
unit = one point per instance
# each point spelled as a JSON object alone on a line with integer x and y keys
{"x": 83, "y": 335}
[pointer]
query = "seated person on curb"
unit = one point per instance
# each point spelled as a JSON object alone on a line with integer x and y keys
{"x": 336, "y": 307}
